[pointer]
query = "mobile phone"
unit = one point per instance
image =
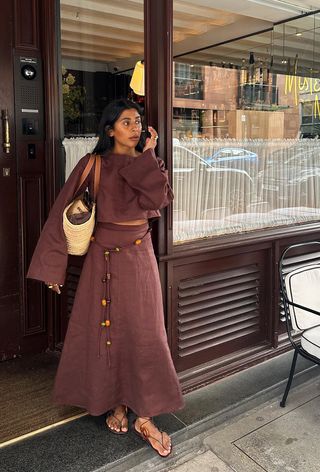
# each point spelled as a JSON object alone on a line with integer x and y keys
{"x": 145, "y": 133}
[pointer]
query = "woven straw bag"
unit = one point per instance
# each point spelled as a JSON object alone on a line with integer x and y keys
{"x": 78, "y": 235}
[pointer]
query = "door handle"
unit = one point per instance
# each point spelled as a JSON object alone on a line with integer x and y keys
{"x": 5, "y": 130}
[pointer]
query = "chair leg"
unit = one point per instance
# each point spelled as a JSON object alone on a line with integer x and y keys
{"x": 293, "y": 366}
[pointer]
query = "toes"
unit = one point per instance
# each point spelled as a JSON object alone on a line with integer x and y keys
{"x": 164, "y": 452}
{"x": 124, "y": 424}
{"x": 113, "y": 425}
{"x": 167, "y": 442}
{"x": 118, "y": 425}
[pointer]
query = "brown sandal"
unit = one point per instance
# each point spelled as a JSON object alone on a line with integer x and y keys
{"x": 119, "y": 422}
{"x": 145, "y": 435}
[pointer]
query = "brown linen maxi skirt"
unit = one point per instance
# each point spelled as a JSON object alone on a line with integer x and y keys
{"x": 116, "y": 350}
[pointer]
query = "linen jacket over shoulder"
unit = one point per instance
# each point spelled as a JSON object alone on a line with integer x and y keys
{"x": 130, "y": 188}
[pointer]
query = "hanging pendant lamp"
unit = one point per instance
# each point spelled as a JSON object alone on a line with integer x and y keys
{"x": 137, "y": 79}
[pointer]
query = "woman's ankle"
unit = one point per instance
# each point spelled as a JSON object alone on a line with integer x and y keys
{"x": 122, "y": 407}
{"x": 143, "y": 419}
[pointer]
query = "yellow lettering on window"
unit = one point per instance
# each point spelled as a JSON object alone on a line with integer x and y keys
{"x": 291, "y": 83}
{"x": 316, "y": 107}
{"x": 316, "y": 85}
{"x": 303, "y": 84}
{"x": 311, "y": 84}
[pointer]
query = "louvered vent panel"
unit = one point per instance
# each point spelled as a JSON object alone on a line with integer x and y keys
{"x": 294, "y": 262}
{"x": 73, "y": 276}
{"x": 217, "y": 308}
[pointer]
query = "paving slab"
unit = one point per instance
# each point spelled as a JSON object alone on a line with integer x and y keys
{"x": 204, "y": 462}
{"x": 218, "y": 432}
{"x": 273, "y": 439}
{"x": 289, "y": 443}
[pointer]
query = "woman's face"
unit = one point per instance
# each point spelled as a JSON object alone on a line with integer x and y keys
{"x": 127, "y": 129}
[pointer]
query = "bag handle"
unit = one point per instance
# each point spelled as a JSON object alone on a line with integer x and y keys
{"x": 93, "y": 159}
{"x": 97, "y": 172}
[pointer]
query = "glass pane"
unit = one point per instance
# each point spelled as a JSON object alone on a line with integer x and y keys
{"x": 101, "y": 42}
{"x": 246, "y": 123}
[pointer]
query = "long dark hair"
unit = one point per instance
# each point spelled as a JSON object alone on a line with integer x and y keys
{"x": 110, "y": 115}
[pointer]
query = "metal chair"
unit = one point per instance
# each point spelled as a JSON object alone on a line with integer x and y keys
{"x": 300, "y": 290}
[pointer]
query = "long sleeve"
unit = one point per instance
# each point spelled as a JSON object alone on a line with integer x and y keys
{"x": 49, "y": 260}
{"x": 147, "y": 175}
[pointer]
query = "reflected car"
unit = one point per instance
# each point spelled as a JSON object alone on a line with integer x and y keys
{"x": 231, "y": 155}
{"x": 291, "y": 178}
{"x": 295, "y": 156}
{"x": 290, "y": 187}
{"x": 200, "y": 186}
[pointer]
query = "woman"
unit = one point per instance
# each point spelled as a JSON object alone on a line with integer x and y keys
{"x": 116, "y": 354}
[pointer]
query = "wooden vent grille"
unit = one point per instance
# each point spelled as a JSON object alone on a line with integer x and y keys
{"x": 294, "y": 262}
{"x": 217, "y": 308}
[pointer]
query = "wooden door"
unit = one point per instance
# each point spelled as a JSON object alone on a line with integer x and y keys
{"x": 9, "y": 246}
{"x": 23, "y": 310}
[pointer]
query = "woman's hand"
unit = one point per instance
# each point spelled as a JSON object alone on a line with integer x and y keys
{"x": 54, "y": 287}
{"x": 151, "y": 142}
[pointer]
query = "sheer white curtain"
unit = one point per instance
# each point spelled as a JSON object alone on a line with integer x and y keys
{"x": 226, "y": 186}
{"x": 247, "y": 185}
{"x": 75, "y": 149}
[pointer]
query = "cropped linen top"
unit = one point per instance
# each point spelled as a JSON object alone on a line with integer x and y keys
{"x": 131, "y": 188}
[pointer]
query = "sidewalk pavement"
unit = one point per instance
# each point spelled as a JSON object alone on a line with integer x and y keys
{"x": 262, "y": 438}
{"x": 235, "y": 424}
{"x": 268, "y": 438}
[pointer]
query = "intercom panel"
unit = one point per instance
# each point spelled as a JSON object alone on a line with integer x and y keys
{"x": 29, "y": 105}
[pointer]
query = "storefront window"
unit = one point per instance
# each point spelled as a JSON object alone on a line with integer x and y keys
{"x": 246, "y": 153}
{"x": 100, "y": 45}
{"x": 188, "y": 81}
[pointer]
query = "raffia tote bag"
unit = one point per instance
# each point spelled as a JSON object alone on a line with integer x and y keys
{"x": 78, "y": 217}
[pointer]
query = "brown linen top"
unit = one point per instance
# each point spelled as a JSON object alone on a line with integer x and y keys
{"x": 131, "y": 188}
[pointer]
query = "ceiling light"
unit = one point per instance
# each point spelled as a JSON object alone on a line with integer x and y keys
{"x": 299, "y": 34}
{"x": 137, "y": 79}
{"x": 284, "y": 60}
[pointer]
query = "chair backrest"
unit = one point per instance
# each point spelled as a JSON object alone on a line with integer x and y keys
{"x": 303, "y": 287}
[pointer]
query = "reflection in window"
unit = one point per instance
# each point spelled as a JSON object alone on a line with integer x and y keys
{"x": 246, "y": 156}
{"x": 100, "y": 45}
{"x": 85, "y": 94}
{"x": 188, "y": 81}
